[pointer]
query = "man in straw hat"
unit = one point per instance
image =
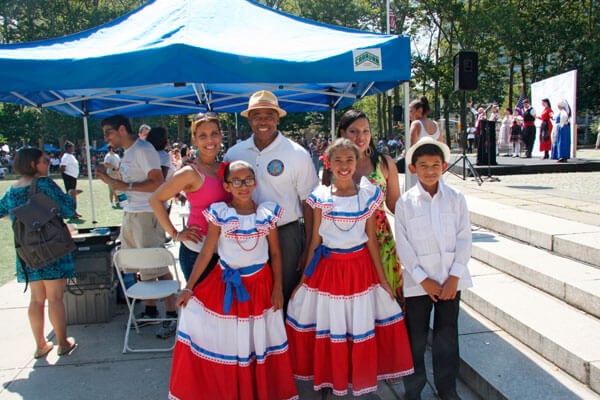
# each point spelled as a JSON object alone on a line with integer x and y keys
{"x": 285, "y": 174}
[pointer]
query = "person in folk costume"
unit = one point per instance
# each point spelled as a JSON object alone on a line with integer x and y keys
{"x": 546, "y": 128}
{"x": 231, "y": 340}
{"x": 561, "y": 149}
{"x": 528, "y": 131}
{"x": 515, "y": 134}
{"x": 495, "y": 117}
{"x": 505, "y": 127}
{"x": 344, "y": 326}
{"x": 382, "y": 172}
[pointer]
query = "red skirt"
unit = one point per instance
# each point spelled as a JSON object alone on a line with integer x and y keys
{"x": 345, "y": 330}
{"x": 239, "y": 355}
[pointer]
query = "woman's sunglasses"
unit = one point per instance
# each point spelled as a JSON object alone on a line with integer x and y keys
{"x": 205, "y": 115}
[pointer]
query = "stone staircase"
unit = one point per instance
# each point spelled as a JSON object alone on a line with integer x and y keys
{"x": 530, "y": 326}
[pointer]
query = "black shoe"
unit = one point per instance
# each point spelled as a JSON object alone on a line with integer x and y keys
{"x": 449, "y": 396}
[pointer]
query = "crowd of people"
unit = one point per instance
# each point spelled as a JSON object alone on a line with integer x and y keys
{"x": 286, "y": 277}
{"x": 516, "y": 131}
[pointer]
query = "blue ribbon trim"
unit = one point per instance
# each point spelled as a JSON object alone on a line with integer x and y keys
{"x": 323, "y": 251}
{"x": 233, "y": 281}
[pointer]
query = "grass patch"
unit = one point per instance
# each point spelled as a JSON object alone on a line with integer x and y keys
{"x": 105, "y": 215}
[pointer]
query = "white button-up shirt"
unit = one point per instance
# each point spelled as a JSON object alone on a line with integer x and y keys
{"x": 284, "y": 171}
{"x": 433, "y": 237}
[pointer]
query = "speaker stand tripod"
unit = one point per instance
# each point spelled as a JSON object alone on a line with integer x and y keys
{"x": 465, "y": 160}
{"x": 466, "y": 163}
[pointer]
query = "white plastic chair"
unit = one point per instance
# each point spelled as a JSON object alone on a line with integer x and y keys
{"x": 140, "y": 259}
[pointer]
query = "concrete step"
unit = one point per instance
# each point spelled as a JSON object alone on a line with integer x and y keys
{"x": 571, "y": 239}
{"x": 497, "y": 366}
{"x": 559, "y": 332}
{"x": 576, "y": 283}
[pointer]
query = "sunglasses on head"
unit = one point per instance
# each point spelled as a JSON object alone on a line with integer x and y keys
{"x": 237, "y": 183}
{"x": 205, "y": 115}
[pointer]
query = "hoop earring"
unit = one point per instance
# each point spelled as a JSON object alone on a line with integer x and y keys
{"x": 369, "y": 151}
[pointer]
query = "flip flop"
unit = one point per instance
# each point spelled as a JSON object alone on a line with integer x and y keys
{"x": 39, "y": 353}
{"x": 66, "y": 350}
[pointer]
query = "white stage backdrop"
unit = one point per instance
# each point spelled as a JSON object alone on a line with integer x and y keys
{"x": 557, "y": 88}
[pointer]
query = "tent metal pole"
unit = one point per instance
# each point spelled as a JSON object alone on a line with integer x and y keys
{"x": 237, "y": 133}
{"x": 333, "y": 124}
{"x": 89, "y": 165}
{"x": 406, "y": 87}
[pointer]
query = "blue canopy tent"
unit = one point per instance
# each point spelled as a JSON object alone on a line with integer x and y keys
{"x": 185, "y": 56}
{"x": 49, "y": 148}
{"x": 101, "y": 149}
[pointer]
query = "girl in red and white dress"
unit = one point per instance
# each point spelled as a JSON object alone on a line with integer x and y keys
{"x": 231, "y": 339}
{"x": 343, "y": 324}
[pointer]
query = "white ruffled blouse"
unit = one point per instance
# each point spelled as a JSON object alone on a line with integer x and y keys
{"x": 343, "y": 219}
{"x": 243, "y": 240}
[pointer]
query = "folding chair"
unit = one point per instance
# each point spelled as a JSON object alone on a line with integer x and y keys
{"x": 140, "y": 259}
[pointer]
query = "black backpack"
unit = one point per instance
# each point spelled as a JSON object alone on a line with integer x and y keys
{"x": 41, "y": 235}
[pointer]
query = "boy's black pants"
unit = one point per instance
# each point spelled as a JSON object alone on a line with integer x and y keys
{"x": 444, "y": 346}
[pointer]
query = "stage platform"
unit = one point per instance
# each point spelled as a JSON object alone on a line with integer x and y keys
{"x": 516, "y": 166}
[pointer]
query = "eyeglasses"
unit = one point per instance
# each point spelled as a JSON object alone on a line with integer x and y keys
{"x": 206, "y": 115}
{"x": 246, "y": 182}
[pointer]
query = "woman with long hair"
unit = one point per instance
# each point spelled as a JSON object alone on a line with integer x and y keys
{"x": 202, "y": 185}
{"x": 546, "y": 128}
{"x": 48, "y": 282}
{"x": 504, "y": 136}
{"x": 381, "y": 172}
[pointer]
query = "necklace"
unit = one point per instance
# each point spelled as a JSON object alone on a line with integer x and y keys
{"x": 358, "y": 209}
{"x": 255, "y": 242}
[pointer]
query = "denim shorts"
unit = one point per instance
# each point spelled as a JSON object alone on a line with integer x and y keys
{"x": 187, "y": 258}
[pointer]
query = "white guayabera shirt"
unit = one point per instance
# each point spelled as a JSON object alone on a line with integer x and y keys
{"x": 433, "y": 237}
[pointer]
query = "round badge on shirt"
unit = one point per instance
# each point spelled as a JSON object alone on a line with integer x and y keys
{"x": 275, "y": 167}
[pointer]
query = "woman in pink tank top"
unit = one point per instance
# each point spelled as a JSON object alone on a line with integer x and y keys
{"x": 202, "y": 186}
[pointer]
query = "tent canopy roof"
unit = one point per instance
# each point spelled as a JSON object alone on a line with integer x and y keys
{"x": 184, "y": 56}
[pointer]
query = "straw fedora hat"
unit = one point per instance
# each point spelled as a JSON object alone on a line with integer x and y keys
{"x": 428, "y": 140}
{"x": 263, "y": 99}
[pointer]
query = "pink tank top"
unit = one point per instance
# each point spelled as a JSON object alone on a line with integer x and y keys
{"x": 212, "y": 191}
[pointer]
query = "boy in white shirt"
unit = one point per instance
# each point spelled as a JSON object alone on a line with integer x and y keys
{"x": 433, "y": 241}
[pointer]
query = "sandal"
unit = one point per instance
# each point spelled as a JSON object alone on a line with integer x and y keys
{"x": 66, "y": 350}
{"x": 39, "y": 353}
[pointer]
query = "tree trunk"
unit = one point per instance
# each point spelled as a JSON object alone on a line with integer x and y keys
{"x": 436, "y": 83}
{"x": 523, "y": 78}
{"x": 181, "y": 127}
{"x": 390, "y": 119}
{"x": 384, "y": 115}
{"x": 379, "y": 124}
{"x": 510, "y": 84}
{"x": 447, "y": 121}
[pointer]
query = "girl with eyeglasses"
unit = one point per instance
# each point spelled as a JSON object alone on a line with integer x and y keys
{"x": 344, "y": 326}
{"x": 202, "y": 187}
{"x": 232, "y": 342}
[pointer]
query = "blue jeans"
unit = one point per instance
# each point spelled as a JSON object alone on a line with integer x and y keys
{"x": 187, "y": 258}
